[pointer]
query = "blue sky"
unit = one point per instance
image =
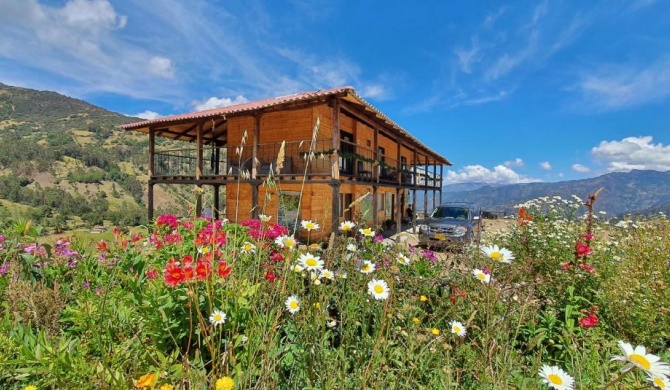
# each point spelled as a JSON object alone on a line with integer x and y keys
{"x": 509, "y": 92}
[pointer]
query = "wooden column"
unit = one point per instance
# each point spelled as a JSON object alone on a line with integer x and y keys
{"x": 376, "y": 168}
{"x": 414, "y": 161}
{"x": 217, "y": 193}
{"x": 150, "y": 189}
{"x": 198, "y": 170}
{"x": 254, "y": 167}
{"x": 425, "y": 188}
{"x": 398, "y": 211}
{"x": 150, "y": 201}
{"x": 375, "y": 195}
{"x": 335, "y": 167}
{"x": 441, "y": 182}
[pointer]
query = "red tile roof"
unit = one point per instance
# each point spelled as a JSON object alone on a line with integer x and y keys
{"x": 277, "y": 101}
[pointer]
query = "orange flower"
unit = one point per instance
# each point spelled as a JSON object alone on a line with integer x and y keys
{"x": 523, "y": 216}
{"x": 147, "y": 380}
{"x": 102, "y": 246}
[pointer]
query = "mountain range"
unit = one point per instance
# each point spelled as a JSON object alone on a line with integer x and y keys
{"x": 635, "y": 192}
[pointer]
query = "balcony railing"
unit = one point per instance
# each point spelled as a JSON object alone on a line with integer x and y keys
{"x": 355, "y": 163}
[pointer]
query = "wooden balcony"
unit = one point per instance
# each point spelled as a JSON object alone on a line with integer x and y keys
{"x": 221, "y": 164}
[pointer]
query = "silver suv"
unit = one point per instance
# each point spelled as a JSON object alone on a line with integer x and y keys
{"x": 451, "y": 224}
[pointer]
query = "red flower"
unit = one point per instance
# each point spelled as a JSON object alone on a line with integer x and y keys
{"x": 116, "y": 232}
{"x": 167, "y": 219}
{"x": 136, "y": 237}
{"x": 173, "y": 273}
{"x": 523, "y": 216}
{"x": 582, "y": 249}
{"x": 276, "y": 257}
{"x": 152, "y": 274}
{"x": 202, "y": 270}
{"x": 124, "y": 243}
{"x": 589, "y": 321}
{"x": 187, "y": 269}
{"x": 566, "y": 266}
{"x": 102, "y": 246}
{"x": 270, "y": 276}
{"x": 187, "y": 260}
{"x": 588, "y": 268}
{"x": 223, "y": 270}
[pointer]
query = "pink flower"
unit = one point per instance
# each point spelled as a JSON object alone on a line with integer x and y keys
{"x": 588, "y": 268}
{"x": 589, "y": 321}
{"x": 582, "y": 249}
{"x": 566, "y": 266}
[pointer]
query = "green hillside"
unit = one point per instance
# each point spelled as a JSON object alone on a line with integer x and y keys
{"x": 62, "y": 158}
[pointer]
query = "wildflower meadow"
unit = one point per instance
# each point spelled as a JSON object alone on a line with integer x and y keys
{"x": 565, "y": 298}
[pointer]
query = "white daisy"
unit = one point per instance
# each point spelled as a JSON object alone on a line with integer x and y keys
{"x": 310, "y": 262}
{"x": 351, "y": 247}
{"x": 402, "y": 259}
{"x": 660, "y": 381}
{"x": 264, "y": 218}
{"x": 292, "y": 304}
{"x": 217, "y": 317}
{"x": 367, "y": 267}
{"x": 457, "y": 328}
{"x": 248, "y": 248}
{"x": 309, "y": 225}
{"x": 286, "y": 242}
{"x": 495, "y": 253}
{"x": 298, "y": 268}
{"x": 347, "y": 226}
{"x": 368, "y": 232}
{"x": 378, "y": 289}
{"x": 556, "y": 378}
{"x": 639, "y": 357}
{"x": 481, "y": 275}
{"x": 327, "y": 274}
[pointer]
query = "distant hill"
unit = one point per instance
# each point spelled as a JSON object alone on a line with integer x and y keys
{"x": 63, "y": 160}
{"x": 623, "y": 192}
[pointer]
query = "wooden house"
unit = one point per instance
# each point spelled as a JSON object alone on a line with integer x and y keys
{"x": 335, "y": 149}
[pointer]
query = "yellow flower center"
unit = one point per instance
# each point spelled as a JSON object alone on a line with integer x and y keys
{"x": 346, "y": 228}
{"x": 247, "y": 248}
{"x": 310, "y": 226}
{"x": 457, "y": 329}
{"x": 289, "y": 243}
{"x": 311, "y": 262}
{"x": 217, "y": 317}
{"x": 659, "y": 382}
{"x": 496, "y": 255}
{"x": 293, "y": 305}
{"x": 365, "y": 267}
{"x": 481, "y": 276}
{"x": 379, "y": 289}
{"x": 367, "y": 231}
{"x": 555, "y": 379}
{"x": 640, "y": 360}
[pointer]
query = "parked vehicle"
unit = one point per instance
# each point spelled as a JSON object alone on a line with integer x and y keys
{"x": 451, "y": 224}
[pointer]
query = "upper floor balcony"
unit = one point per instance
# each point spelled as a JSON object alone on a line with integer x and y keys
{"x": 298, "y": 159}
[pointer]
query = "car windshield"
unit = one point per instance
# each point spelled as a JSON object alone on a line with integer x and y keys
{"x": 450, "y": 212}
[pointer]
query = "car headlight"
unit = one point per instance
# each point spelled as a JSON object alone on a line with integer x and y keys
{"x": 460, "y": 231}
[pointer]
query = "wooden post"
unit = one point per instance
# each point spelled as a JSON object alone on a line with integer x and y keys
{"x": 254, "y": 168}
{"x": 335, "y": 167}
{"x": 217, "y": 193}
{"x": 198, "y": 170}
{"x": 376, "y": 168}
{"x": 150, "y": 201}
{"x": 150, "y": 189}
{"x": 375, "y": 219}
{"x": 425, "y": 188}
{"x": 441, "y": 182}
{"x": 398, "y": 211}
{"x": 414, "y": 162}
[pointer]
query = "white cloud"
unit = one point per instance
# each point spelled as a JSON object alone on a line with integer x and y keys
{"x": 215, "y": 102}
{"x": 580, "y": 168}
{"x": 162, "y": 67}
{"x": 148, "y": 115}
{"x": 616, "y": 87}
{"x": 375, "y": 91}
{"x": 468, "y": 57}
{"x": 480, "y": 174}
{"x": 633, "y": 153}
{"x": 546, "y": 165}
{"x": 517, "y": 162}
{"x": 91, "y": 15}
